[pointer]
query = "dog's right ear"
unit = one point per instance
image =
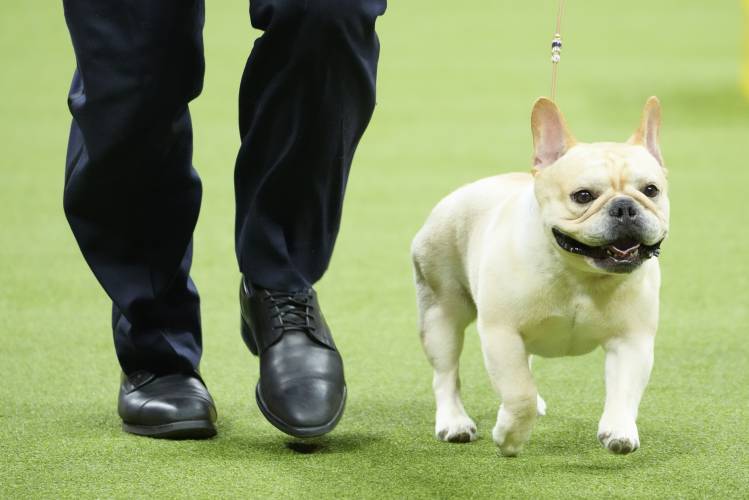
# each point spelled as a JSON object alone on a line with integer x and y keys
{"x": 551, "y": 138}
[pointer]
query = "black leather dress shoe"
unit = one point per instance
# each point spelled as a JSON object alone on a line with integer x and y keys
{"x": 301, "y": 389}
{"x": 176, "y": 406}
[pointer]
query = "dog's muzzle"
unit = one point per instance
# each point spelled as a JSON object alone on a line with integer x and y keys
{"x": 621, "y": 255}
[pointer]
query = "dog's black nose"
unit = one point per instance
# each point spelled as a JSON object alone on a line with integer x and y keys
{"x": 623, "y": 209}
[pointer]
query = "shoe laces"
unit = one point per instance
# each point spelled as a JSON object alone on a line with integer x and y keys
{"x": 294, "y": 311}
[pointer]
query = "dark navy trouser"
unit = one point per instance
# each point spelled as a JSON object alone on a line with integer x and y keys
{"x": 132, "y": 196}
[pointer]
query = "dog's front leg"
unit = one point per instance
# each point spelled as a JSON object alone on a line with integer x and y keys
{"x": 628, "y": 363}
{"x": 507, "y": 363}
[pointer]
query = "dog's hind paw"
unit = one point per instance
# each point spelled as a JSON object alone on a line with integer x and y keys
{"x": 457, "y": 430}
{"x": 540, "y": 406}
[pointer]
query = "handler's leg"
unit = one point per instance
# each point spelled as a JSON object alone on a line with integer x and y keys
{"x": 307, "y": 94}
{"x": 132, "y": 196}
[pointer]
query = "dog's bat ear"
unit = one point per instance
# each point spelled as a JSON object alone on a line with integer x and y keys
{"x": 648, "y": 135}
{"x": 551, "y": 137}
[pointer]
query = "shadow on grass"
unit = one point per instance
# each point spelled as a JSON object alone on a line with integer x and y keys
{"x": 562, "y": 443}
{"x": 570, "y": 444}
{"x": 240, "y": 447}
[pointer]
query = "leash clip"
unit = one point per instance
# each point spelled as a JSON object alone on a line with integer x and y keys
{"x": 556, "y": 48}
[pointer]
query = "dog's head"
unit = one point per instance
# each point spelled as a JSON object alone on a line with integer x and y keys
{"x": 604, "y": 205}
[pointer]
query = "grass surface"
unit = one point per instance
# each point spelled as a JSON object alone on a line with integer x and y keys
{"x": 455, "y": 88}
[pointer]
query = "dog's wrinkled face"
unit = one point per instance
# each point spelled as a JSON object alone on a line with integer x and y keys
{"x": 604, "y": 205}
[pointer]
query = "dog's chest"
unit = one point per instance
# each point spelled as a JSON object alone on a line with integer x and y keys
{"x": 567, "y": 326}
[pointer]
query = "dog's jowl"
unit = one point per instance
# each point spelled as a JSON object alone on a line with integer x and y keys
{"x": 555, "y": 263}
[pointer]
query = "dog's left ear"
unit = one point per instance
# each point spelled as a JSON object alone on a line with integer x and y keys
{"x": 551, "y": 138}
{"x": 648, "y": 135}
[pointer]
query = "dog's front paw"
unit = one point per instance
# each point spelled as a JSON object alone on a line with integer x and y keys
{"x": 512, "y": 432}
{"x": 620, "y": 439}
{"x": 509, "y": 441}
{"x": 459, "y": 429}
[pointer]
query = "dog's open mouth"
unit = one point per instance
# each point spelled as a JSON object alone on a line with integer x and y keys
{"x": 625, "y": 251}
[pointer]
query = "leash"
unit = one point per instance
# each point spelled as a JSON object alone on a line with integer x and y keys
{"x": 556, "y": 51}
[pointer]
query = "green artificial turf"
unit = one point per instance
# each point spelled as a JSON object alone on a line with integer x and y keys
{"x": 456, "y": 84}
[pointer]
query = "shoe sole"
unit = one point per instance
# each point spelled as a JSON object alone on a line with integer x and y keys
{"x": 299, "y": 432}
{"x": 186, "y": 429}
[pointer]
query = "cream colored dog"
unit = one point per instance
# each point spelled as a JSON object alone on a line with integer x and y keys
{"x": 553, "y": 263}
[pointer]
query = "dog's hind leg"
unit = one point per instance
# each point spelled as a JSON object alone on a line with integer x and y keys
{"x": 540, "y": 403}
{"x": 442, "y": 326}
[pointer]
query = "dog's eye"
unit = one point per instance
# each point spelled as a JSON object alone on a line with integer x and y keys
{"x": 583, "y": 197}
{"x": 651, "y": 190}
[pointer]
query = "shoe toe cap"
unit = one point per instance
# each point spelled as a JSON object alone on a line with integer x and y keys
{"x": 176, "y": 409}
{"x": 305, "y": 403}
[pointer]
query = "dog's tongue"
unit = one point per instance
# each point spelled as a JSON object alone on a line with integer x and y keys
{"x": 624, "y": 249}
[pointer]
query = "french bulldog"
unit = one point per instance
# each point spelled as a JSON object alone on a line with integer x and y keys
{"x": 554, "y": 262}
